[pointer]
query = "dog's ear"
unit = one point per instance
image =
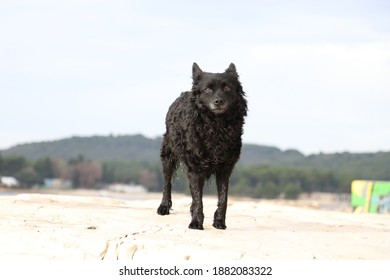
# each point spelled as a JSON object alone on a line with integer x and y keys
{"x": 232, "y": 70}
{"x": 196, "y": 72}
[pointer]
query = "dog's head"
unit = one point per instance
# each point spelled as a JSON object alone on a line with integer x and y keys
{"x": 219, "y": 92}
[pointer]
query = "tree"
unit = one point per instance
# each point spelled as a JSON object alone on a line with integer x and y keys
{"x": 267, "y": 190}
{"x": 85, "y": 173}
{"x": 148, "y": 179}
{"x": 44, "y": 167}
{"x": 292, "y": 191}
{"x": 28, "y": 176}
{"x": 11, "y": 165}
{"x": 60, "y": 169}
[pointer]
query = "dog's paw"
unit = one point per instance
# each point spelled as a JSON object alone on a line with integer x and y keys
{"x": 218, "y": 224}
{"x": 163, "y": 210}
{"x": 196, "y": 225}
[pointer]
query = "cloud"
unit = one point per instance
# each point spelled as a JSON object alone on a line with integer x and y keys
{"x": 339, "y": 65}
{"x": 320, "y": 91}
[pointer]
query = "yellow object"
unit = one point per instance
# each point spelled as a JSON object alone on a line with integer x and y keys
{"x": 370, "y": 184}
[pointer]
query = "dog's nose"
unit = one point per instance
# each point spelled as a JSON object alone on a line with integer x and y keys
{"x": 218, "y": 102}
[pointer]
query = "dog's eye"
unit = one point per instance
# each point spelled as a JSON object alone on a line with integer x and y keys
{"x": 226, "y": 88}
{"x": 208, "y": 90}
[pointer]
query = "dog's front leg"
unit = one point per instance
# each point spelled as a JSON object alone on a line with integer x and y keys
{"x": 196, "y": 188}
{"x": 222, "y": 187}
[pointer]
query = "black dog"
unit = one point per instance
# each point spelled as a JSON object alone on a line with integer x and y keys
{"x": 203, "y": 131}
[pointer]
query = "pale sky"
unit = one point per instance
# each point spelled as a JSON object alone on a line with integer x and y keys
{"x": 316, "y": 73}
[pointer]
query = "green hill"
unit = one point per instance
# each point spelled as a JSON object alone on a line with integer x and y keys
{"x": 137, "y": 148}
{"x": 262, "y": 172}
{"x": 134, "y": 148}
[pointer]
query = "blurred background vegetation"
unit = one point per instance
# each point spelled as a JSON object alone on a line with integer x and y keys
{"x": 262, "y": 172}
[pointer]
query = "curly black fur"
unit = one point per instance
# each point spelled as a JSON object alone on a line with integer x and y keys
{"x": 203, "y": 131}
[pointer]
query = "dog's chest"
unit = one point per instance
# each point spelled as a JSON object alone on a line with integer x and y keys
{"x": 220, "y": 140}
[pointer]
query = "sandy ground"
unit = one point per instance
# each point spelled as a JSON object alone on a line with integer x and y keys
{"x": 68, "y": 227}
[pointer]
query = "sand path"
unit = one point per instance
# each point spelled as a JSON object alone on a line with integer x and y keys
{"x": 38, "y": 226}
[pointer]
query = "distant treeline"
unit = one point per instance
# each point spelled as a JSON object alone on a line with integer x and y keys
{"x": 262, "y": 171}
{"x": 260, "y": 181}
